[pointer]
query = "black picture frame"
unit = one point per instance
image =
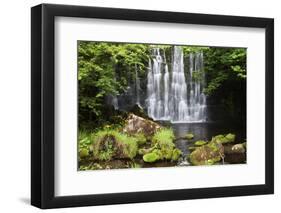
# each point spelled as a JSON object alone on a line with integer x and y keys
{"x": 43, "y": 110}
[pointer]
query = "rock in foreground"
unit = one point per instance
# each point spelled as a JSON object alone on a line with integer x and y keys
{"x": 207, "y": 154}
{"x": 135, "y": 125}
{"x": 235, "y": 153}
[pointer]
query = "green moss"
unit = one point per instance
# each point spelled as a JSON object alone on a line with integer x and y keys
{"x": 84, "y": 144}
{"x": 134, "y": 165}
{"x": 176, "y": 154}
{"x": 207, "y": 154}
{"x": 214, "y": 146}
{"x": 108, "y": 144}
{"x": 144, "y": 151}
{"x": 211, "y": 162}
{"x": 219, "y": 139}
{"x": 162, "y": 147}
{"x": 200, "y": 143}
{"x": 150, "y": 157}
{"x": 159, "y": 153}
{"x": 191, "y": 148}
{"x": 189, "y": 136}
{"x": 229, "y": 138}
{"x": 140, "y": 138}
{"x": 83, "y": 153}
{"x": 163, "y": 136}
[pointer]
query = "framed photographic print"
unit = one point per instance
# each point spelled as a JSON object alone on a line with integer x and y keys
{"x": 139, "y": 106}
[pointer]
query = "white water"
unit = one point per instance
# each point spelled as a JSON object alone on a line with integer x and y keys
{"x": 172, "y": 96}
{"x": 137, "y": 84}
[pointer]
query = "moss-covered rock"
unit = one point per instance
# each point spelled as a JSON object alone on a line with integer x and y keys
{"x": 207, "y": 154}
{"x": 189, "y": 136}
{"x": 111, "y": 144}
{"x": 200, "y": 143}
{"x": 234, "y": 149}
{"x": 150, "y": 157}
{"x": 229, "y": 138}
{"x": 235, "y": 153}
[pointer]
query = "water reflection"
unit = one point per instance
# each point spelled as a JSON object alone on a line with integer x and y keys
{"x": 204, "y": 131}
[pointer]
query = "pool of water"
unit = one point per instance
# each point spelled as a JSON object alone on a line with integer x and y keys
{"x": 204, "y": 131}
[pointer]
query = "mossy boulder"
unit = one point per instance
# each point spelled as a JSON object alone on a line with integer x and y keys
{"x": 200, "y": 143}
{"x": 229, "y": 138}
{"x": 135, "y": 125}
{"x": 207, "y": 154}
{"x": 235, "y": 153}
{"x": 189, "y": 136}
{"x": 111, "y": 144}
{"x": 151, "y": 157}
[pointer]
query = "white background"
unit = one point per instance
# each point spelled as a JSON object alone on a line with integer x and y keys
{"x": 15, "y": 105}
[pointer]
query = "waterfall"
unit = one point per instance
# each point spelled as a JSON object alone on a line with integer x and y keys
{"x": 170, "y": 94}
{"x": 115, "y": 102}
{"x": 156, "y": 97}
{"x": 196, "y": 81}
{"x": 137, "y": 85}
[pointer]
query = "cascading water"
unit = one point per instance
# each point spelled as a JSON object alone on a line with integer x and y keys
{"x": 172, "y": 96}
{"x": 157, "y": 101}
{"x": 197, "y": 99}
{"x": 179, "y": 108}
{"x": 137, "y": 85}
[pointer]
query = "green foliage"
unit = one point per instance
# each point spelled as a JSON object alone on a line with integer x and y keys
{"x": 151, "y": 157}
{"x": 97, "y": 66}
{"x": 84, "y": 144}
{"x": 164, "y": 136}
{"x": 83, "y": 153}
{"x": 200, "y": 143}
{"x": 225, "y": 71}
{"x": 229, "y": 138}
{"x": 162, "y": 148}
{"x": 176, "y": 154}
{"x": 193, "y": 49}
{"x": 134, "y": 165}
{"x": 140, "y": 138}
{"x": 109, "y": 144}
